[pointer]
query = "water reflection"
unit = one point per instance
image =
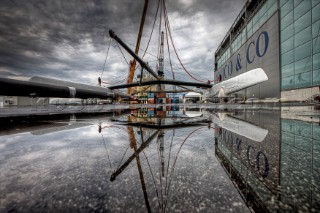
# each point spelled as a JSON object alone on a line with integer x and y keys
{"x": 160, "y": 159}
{"x": 281, "y": 173}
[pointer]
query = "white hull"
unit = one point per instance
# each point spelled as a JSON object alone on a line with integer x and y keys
{"x": 237, "y": 83}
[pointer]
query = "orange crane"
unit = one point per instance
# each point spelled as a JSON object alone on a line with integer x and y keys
{"x": 133, "y": 62}
{"x": 133, "y": 143}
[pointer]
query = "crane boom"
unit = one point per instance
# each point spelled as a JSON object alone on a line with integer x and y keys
{"x": 141, "y": 62}
{"x": 133, "y": 62}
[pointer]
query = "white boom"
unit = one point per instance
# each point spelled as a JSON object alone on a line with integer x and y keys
{"x": 237, "y": 83}
{"x": 240, "y": 127}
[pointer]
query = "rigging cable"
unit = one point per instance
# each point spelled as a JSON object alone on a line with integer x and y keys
{"x": 155, "y": 19}
{"x": 122, "y": 53}
{"x": 110, "y": 40}
{"x": 168, "y": 46}
{"x": 116, "y": 82}
{"x": 168, "y": 25}
{"x": 104, "y": 143}
{"x": 154, "y": 182}
{"x": 174, "y": 165}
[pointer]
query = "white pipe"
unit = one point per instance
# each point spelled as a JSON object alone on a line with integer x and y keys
{"x": 240, "y": 127}
{"x": 237, "y": 83}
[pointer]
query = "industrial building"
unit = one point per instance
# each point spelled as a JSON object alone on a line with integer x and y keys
{"x": 281, "y": 37}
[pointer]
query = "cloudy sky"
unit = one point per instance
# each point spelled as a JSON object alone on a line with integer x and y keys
{"x": 69, "y": 39}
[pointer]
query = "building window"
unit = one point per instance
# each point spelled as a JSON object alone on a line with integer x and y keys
{"x": 303, "y": 65}
{"x": 316, "y": 77}
{"x": 302, "y": 51}
{"x": 303, "y": 80}
{"x": 287, "y": 58}
{"x": 302, "y": 37}
{"x": 301, "y": 8}
{"x": 288, "y": 70}
{"x": 300, "y": 43}
{"x": 286, "y": 33}
{"x": 287, "y": 20}
{"x": 302, "y": 22}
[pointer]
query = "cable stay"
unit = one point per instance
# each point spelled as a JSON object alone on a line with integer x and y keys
{"x": 175, "y": 50}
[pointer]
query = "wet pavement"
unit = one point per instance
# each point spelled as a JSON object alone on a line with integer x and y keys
{"x": 175, "y": 159}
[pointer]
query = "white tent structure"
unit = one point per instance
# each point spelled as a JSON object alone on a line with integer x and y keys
{"x": 192, "y": 97}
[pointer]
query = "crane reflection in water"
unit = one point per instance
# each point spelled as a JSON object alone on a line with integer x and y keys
{"x": 161, "y": 160}
{"x": 151, "y": 125}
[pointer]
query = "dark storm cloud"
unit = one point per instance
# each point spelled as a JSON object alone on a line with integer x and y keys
{"x": 69, "y": 39}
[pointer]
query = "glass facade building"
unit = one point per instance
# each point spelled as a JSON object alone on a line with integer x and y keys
{"x": 281, "y": 173}
{"x": 280, "y": 36}
{"x": 300, "y": 45}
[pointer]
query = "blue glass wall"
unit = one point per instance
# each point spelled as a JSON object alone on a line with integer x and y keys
{"x": 300, "y": 163}
{"x": 299, "y": 43}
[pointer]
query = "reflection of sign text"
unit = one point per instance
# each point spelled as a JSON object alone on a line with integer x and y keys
{"x": 257, "y": 159}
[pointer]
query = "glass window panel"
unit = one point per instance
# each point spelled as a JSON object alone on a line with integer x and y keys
{"x": 271, "y": 3}
{"x": 287, "y": 45}
{"x": 249, "y": 33}
{"x": 316, "y": 45}
{"x": 301, "y": 8}
{"x": 287, "y": 20}
{"x": 316, "y": 13}
{"x": 243, "y": 40}
{"x": 256, "y": 18}
{"x": 302, "y": 37}
{"x": 250, "y": 24}
{"x": 283, "y": 2}
{"x": 285, "y": 9}
{"x": 303, "y": 65}
{"x": 302, "y": 51}
{"x": 302, "y": 22}
{"x": 287, "y": 82}
{"x": 287, "y": 58}
{"x": 315, "y": 29}
{"x": 303, "y": 80}
{"x": 297, "y": 2}
{"x": 244, "y": 36}
{"x": 256, "y": 27}
{"x": 263, "y": 9}
{"x": 315, "y": 2}
{"x": 316, "y": 61}
{"x": 263, "y": 18}
{"x": 272, "y": 9}
{"x": 233, "y": 46}
{"x": 287, "y": 33}
{"x": 316, "y": 77}
{"x": 287, "y": 70}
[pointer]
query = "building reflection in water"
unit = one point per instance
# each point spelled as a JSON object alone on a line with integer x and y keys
{"x": 278, "y": 173}
{"x": 164, "y": 159}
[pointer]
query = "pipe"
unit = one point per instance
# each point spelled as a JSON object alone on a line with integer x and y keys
{"x": 171, "y": 82}
{"x": 14, "y": 87}
{"x": 143, "y": 64}
{"x": 238, "y": 82}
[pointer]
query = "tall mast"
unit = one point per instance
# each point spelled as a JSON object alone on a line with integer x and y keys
{"x": 161, "y": 57}
{"x": 133, "y": 63}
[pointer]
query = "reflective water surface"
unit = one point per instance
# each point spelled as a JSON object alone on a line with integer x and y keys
{"x": 161, "y": 160}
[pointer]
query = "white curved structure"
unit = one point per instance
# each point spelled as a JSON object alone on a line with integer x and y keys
{"x": 237, "y": 83}
{"x": 240, "y": 127}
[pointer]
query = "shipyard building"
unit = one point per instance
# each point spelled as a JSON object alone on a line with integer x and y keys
{"x": 281, "y": 37}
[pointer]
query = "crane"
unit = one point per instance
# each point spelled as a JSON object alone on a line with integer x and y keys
{"x": 133, "y": 62}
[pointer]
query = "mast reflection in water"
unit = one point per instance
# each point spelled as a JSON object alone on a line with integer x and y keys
{"x": 160, "y": 160}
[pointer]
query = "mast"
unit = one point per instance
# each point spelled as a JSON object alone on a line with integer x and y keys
{"x": 133, "y": 62}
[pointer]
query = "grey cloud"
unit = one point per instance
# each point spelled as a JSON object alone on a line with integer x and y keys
{"x": 55, "y": 38}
